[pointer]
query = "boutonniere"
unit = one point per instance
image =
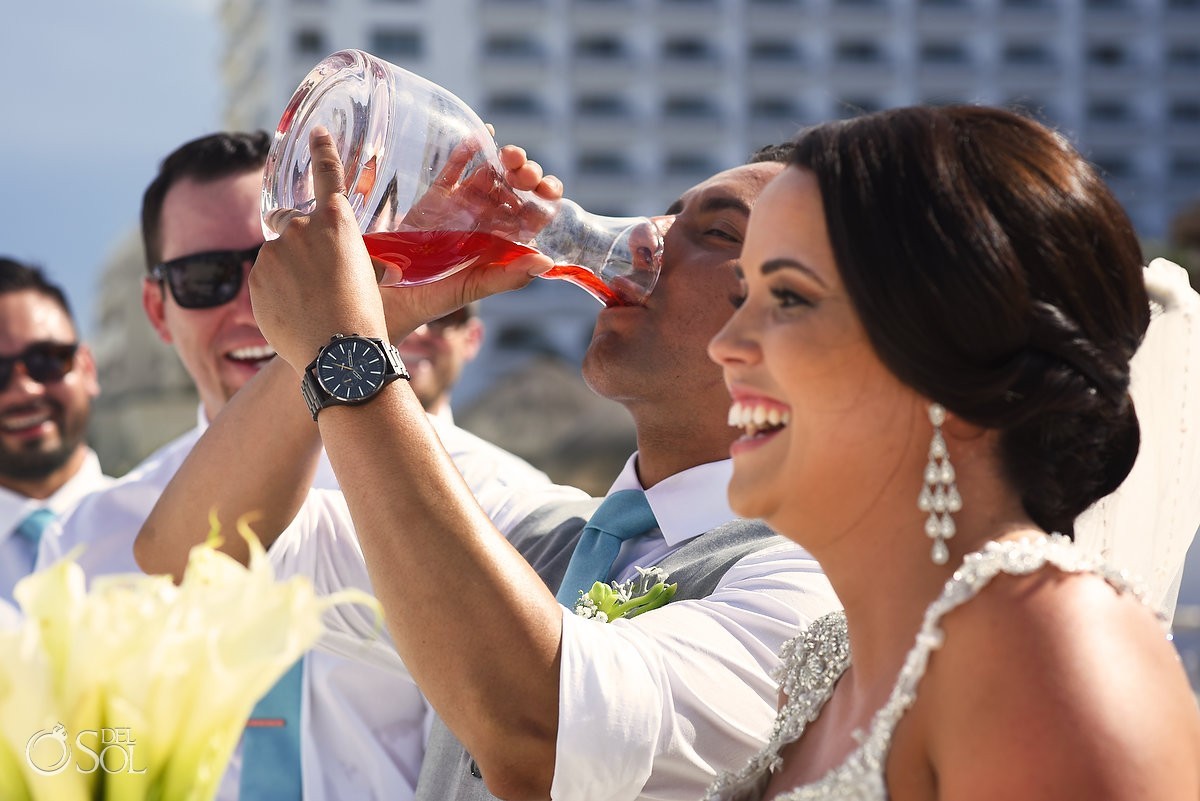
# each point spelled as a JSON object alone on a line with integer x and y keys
{"x": 607, "y": 602}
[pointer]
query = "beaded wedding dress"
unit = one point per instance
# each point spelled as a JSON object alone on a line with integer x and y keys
{"x": 813, "y": 662}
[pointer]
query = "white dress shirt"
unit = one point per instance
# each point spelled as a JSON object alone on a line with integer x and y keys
{"x": 363, "y": 729}
{"x": 649, "y": 708}
{"x": 17, "y": 555}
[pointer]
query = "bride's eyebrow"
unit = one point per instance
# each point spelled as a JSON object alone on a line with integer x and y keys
{"x": 775, "y": 265}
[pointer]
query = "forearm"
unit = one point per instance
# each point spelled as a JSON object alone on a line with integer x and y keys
{"x": 475, "y": 625}
{"x": 256, "y": 459}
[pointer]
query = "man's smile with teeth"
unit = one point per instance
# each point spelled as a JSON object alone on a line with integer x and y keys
{"x": 254, "y": 353}
{"x": 19, "y": 421}
{"x": 757, "y": 416}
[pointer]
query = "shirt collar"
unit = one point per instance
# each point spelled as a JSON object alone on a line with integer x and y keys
{"x": 688, "y": 503}
{"x": 14, "y": 507}
{"x": 445, "y": 414}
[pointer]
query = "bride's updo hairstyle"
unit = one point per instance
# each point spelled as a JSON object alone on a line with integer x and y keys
{"x": 995, "y": 273}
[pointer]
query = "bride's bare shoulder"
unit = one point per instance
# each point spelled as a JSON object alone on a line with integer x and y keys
{"x": 1069, "y": 678}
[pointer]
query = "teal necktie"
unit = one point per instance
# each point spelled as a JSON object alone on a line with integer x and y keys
{"x": 623, "y": 515}
{"x": 271, "y": 742}
{"x": 30, "y": 529}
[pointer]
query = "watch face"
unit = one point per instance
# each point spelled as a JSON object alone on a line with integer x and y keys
{"x": 351, "y": 369}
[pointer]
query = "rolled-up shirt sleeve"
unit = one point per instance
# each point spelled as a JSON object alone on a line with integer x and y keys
{"x": 655, "y": 706}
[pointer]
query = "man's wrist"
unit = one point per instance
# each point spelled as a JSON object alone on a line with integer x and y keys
{"x": 349, "y": 370}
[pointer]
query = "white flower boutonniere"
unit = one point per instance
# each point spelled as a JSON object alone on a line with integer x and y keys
{"x": 607, "y": 602}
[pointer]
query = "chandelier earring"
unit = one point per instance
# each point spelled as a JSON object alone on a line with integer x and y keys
{"x": 939, "y": 497}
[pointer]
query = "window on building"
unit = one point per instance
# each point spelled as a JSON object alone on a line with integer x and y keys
{"x": 775, "y": 108}
{"x": 859, "y": 51}
{"x": 310, "y": 43}
{"x": 600, "y": 46}
{"x": 688, "y": 49}
{"x": 1186, "y": 112}
{"x": 515, "y": 47}
{"x": 1108, "y": 54}
{"x": 944, "y": 100}
{"x": 1184, "y": 55}
{"x": 1032, "y": 107}
{"x": 946, "y": 3}
{"x": 944, "y": 53}
{"x": 1107, "y": 5}
{"x": 514, "y": 103}
{"x": 604, "y": 105}
{"x": 1114, "y": 166}
{"x": 1109, "y": 111}
{"x": 776, "y": 51}
{"x": 689, "y": 164}
{"x": 396, "y": 43}
{"x": 857, "y": 106}
{"x": 1185, "y": 165}
{"x": 1028, "y": 54}
{"x": 603, "y": 163}
{"x": 1027, "y": 5}
{"x": 692, "y": 106}
{"x": 523, "y": 338}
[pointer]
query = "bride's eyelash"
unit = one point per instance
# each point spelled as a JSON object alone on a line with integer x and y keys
{"x": 787, "y": 297}
{"x": 736, "y": 299}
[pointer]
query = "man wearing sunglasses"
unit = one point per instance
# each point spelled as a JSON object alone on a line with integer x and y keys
{"x": 47, "y": 383}
{"x": 201, "y": 229}
{"x": 533, "y": 701}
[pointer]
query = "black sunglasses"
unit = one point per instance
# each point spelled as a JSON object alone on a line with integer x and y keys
{"x": 45, "y": 362}
{"x": 205, "y": 280}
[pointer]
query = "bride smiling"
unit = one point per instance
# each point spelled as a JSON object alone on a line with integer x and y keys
{"x": 932, "y": 362}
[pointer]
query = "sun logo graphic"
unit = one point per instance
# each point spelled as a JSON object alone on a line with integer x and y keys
{"x": 48, "y": 752}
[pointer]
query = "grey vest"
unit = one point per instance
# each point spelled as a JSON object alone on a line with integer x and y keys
{"x": 547, "y": 539}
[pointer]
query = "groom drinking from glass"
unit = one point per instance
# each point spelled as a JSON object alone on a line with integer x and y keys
{"x": 544, "y": 703}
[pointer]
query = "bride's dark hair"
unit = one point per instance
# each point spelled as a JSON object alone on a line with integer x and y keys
{"x": 995, "y": 273}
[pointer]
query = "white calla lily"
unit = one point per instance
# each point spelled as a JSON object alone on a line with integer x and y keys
{"x": 166, "y": 675}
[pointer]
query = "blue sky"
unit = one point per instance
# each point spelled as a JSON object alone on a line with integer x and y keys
{"x": 94, "y": 93}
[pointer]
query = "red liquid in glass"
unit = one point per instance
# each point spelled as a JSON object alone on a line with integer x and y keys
{"x": 424, "y": 256}
{"x": 587, "y": 280}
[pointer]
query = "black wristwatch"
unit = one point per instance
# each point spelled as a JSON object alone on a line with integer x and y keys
{"x": 350, "y": 370}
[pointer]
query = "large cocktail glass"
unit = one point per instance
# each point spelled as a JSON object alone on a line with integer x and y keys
{"x": 424, "y": 179}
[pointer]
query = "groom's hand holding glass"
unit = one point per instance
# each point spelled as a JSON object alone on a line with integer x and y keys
{"x": 317, "y": 278}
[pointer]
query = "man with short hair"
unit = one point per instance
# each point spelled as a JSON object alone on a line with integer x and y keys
{"x": 547, "y": 703}
{"x": 202, "y": 229}
{"x": 47, "y": 383}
